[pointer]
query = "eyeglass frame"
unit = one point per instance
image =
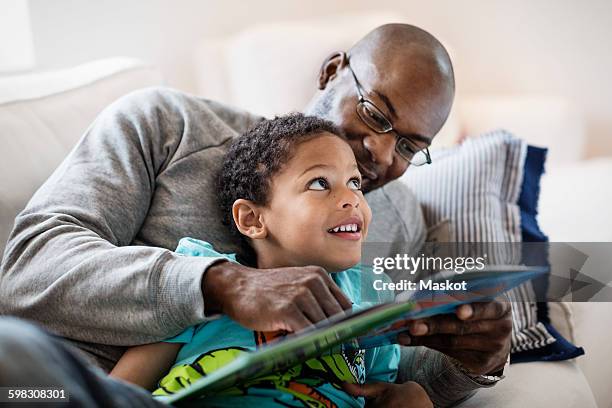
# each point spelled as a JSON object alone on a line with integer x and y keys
{"x": 363, "y": 101}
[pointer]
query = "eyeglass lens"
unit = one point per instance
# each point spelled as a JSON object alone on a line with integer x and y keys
{"x": 373, "y": 117}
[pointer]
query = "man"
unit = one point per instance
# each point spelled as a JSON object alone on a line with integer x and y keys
{"x": 90, "y": 256}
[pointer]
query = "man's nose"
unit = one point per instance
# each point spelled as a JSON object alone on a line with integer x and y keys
{"x": 381, "y": 148}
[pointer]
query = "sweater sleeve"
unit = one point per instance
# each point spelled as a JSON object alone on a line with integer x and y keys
{"x": 69, "y": 263}
{"x": 444, "y": 382}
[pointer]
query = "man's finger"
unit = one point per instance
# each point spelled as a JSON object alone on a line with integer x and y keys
{"x": 310, "y": 307}
{"x": 483, "y": 311}
{"x": 344, "y": 301}
{"x": 450, "y": 324}
{"x": 446, "y": 342}
{"x": 295, "y": 320}
{"x": 404, "y": 339}
{"x": 371, "y": 390}
{"x": 325, "y": 298}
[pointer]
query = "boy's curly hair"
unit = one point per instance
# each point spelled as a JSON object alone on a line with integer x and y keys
{"x": 260, "y": 153}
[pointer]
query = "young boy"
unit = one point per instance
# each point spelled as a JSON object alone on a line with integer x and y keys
{"x": 291, "y": 190}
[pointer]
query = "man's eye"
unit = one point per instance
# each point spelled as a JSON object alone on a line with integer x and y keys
{"x": 381, "y": 121}
{"x": 354, "y": 184}
{"x": 406, "y": 146}
{"x": 318, "y": 184}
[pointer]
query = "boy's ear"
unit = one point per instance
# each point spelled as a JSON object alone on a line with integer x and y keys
{"x": 247, "y": 217}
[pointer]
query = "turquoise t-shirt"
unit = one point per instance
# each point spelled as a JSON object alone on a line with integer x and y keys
{"x": 314, "y": 383}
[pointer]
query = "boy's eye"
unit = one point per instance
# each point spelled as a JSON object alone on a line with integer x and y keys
{"x": 354, "y": 184}
{"x": 318, "y": 184}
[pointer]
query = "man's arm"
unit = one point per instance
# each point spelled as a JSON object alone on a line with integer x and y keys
{"x": 68, "y": 262}
{"x": 71, "y": 265}
{"x": 290, "y": 298}
{"x": 443, "y": 380}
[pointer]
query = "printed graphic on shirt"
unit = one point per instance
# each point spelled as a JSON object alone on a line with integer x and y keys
{"x": 303, "y": 382}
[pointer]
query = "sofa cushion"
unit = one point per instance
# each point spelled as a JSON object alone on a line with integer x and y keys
{"x": 43, "y": 115}
{"x": 577, "y": 188}
{"x": 537, "y": 384}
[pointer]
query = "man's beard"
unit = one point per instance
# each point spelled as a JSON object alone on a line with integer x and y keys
{"x": 324, "y": 105}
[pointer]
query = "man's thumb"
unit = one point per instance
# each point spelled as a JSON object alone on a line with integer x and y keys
{"x": 371, "y": 390}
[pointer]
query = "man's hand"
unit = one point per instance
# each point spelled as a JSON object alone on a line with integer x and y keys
{"x": 477, "y": 335}
{"x": 409, "y": 394}
{"x": 272, "y": 299}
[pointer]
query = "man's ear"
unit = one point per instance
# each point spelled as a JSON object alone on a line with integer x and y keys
{"x": 248, "y": 219}
{"x": 331, "y": 65}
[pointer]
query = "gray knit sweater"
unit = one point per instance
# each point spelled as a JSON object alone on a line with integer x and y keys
{"x": 90, "y": 257}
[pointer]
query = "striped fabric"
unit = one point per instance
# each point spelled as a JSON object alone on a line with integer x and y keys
{"x": 476, "y": 187}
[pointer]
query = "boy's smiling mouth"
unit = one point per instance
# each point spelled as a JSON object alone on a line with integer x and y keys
{"x": 349, "y": 229}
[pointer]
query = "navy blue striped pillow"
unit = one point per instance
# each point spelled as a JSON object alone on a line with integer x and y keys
{"x": 476, "y": 186}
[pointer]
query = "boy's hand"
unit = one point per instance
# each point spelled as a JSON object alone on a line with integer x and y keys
{"x": 380, "y": 394}
{"x": 477, "y": 335}
{"x": 272, "y": 299}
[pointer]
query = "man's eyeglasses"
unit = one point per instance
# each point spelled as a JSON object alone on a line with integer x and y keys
{"x": 373, "y": 117}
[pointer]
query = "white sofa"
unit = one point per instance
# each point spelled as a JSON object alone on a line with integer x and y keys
{"x": 43, "y": 115}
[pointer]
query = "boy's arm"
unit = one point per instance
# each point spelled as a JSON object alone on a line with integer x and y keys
{"x": 382, "y": 394}
{"x": 145, "y": 365}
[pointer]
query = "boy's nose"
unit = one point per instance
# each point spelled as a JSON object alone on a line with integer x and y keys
{"x": 349, "y": 199}
{"x": 347, "y": 205}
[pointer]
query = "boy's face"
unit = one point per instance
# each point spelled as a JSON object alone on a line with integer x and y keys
{"x": 314, "y": 197}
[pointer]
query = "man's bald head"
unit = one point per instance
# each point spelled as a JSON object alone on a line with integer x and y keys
{"x": 412, "y": 60}
{"x": 400, "y": 40}
{"x": 404, "y": 71}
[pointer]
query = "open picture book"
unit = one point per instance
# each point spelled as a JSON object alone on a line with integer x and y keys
{"x": 372, "y": 327}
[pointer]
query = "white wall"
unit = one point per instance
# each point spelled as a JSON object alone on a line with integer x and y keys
{"x": 556, "y": 47}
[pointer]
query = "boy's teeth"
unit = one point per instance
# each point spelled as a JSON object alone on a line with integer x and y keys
{"x": 345, "y": 228}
